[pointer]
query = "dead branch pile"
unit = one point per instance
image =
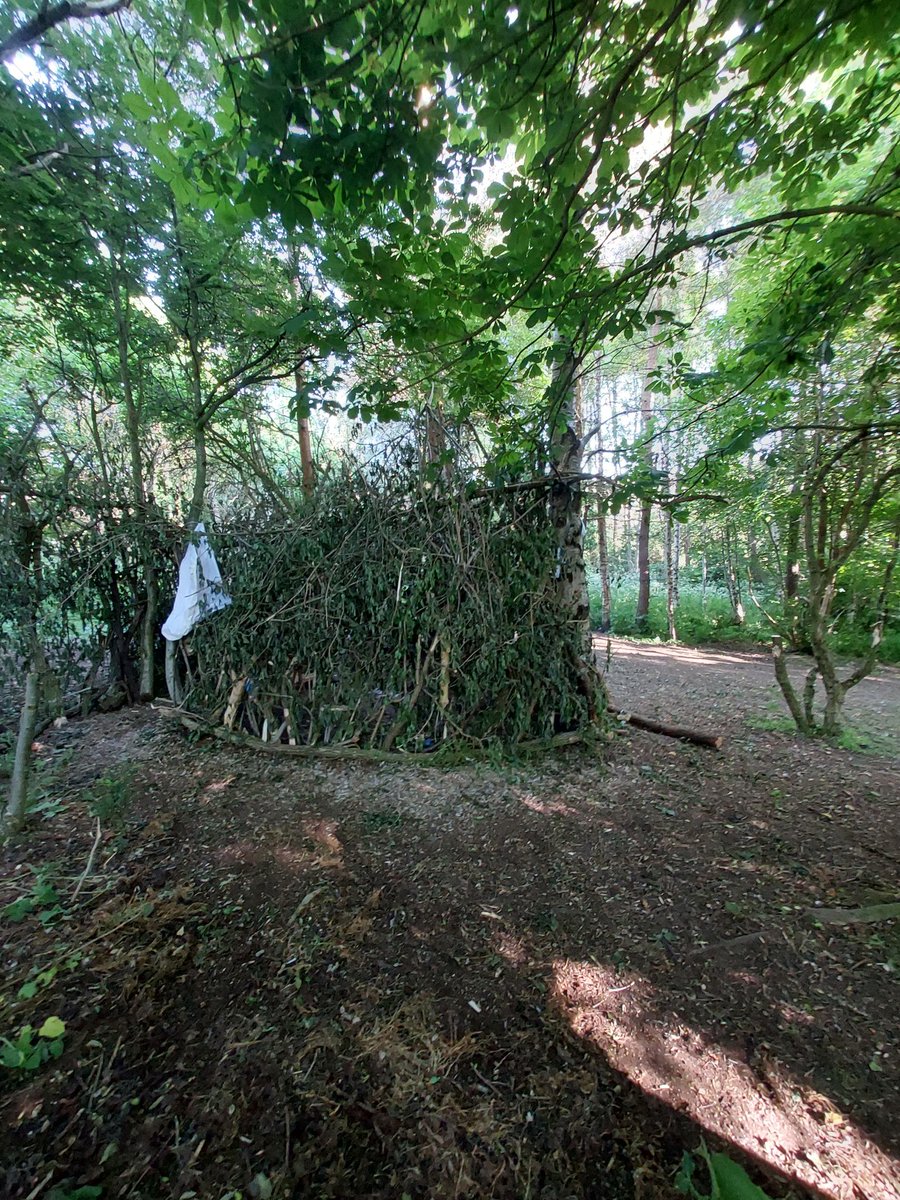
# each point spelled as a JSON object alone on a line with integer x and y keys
{"x": 389, "y": 617}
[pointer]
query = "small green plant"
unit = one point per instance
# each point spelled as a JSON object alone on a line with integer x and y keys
{"x": 48, "y": 807}
{"x": 45, "y": 799}
{"x": 42, "y": 979}
{"x": 42, "y": 899}
{"x": 31, "y": 1049}
{"x": 110, "y": 797}
{"x": 727, "y": 1179}
{"x": 867, "y": 741}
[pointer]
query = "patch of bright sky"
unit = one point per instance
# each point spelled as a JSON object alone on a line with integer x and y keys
{"x": 31, "y": 71}
{"x": 24, "y": 67}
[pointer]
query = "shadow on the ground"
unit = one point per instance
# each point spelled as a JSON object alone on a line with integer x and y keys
{"x": 314, "y": 980}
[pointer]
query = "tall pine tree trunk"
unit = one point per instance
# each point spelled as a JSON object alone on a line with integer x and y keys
{"x": 566, "y": 516}
{"x": 307, "y": 466}
{"x": 673, "y": 551}
{"x": 603, "y": 569}
{"x": 602, "y": 545}
{"x": 642, "y": 612}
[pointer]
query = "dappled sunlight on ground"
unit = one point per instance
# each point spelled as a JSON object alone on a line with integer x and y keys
{"x": 212, "y": 792}
{"x": 324, "y": 850}
{"x": 739, "y": 1093}
{"x": 736, "y": 689}
{"x": 548, "y": 807}
{"x": 686, "y": 654}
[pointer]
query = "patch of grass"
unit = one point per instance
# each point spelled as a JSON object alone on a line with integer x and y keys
{"x": 867, "y": 742}
{"x": 856, "y": 740}
{"x": 772, "y": 724}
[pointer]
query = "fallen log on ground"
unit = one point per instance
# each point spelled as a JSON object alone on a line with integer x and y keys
{"x": 855, "y": 916}
{"x": 712, "y": 740}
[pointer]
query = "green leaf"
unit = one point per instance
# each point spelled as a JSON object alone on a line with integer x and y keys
{"x": 53, "y": 1027}
{"x": 19, "y": 909}
{"x": 137, "y": 106}
{"x": 10, "y": 1055}
{"x": 731, "y": 1182}
{"x": 684, "y": 1178}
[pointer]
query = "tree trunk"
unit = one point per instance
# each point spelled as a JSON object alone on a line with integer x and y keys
{"x": 792, "y": 561}
{"x": 602, "y": 545}
{"x": 673, "y": 551}
{"x": 147, "y": 642}
{"x": 642, "y": 612}
{"x": 307, "y": 466}
{"x": 797, "y": 710}
{"x": 754, "y": 566}
{"x": 14, "y": 816}
{"x": 566, "y": 501}
{"x": 732, "y": 580}
{"x": 603, "y": 570}
{"x": 671, "y": 576}
{"x": 198, "y": 495}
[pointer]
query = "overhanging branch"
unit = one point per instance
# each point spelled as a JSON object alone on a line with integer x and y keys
{"x": 48, "y": 18}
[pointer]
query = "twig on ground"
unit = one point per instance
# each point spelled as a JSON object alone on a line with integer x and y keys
{"x": 89, "y": 864}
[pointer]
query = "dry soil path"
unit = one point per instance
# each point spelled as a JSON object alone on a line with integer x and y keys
{"x": 310, "y": 979}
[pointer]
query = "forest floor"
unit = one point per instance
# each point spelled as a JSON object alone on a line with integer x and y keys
{"x": 322, "y": 979}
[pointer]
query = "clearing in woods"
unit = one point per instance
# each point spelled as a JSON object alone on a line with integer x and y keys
{"x": 308, "y": 978}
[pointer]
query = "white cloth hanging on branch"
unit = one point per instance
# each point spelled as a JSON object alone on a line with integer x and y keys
{"x": 200, "y": 590}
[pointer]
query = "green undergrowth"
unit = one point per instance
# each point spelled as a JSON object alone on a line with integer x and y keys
{"x": 705, "y": 617}
{"x": 859, "y": 741}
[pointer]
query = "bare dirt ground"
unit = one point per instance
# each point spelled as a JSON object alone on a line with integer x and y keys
{"x": 298, "y": 978}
